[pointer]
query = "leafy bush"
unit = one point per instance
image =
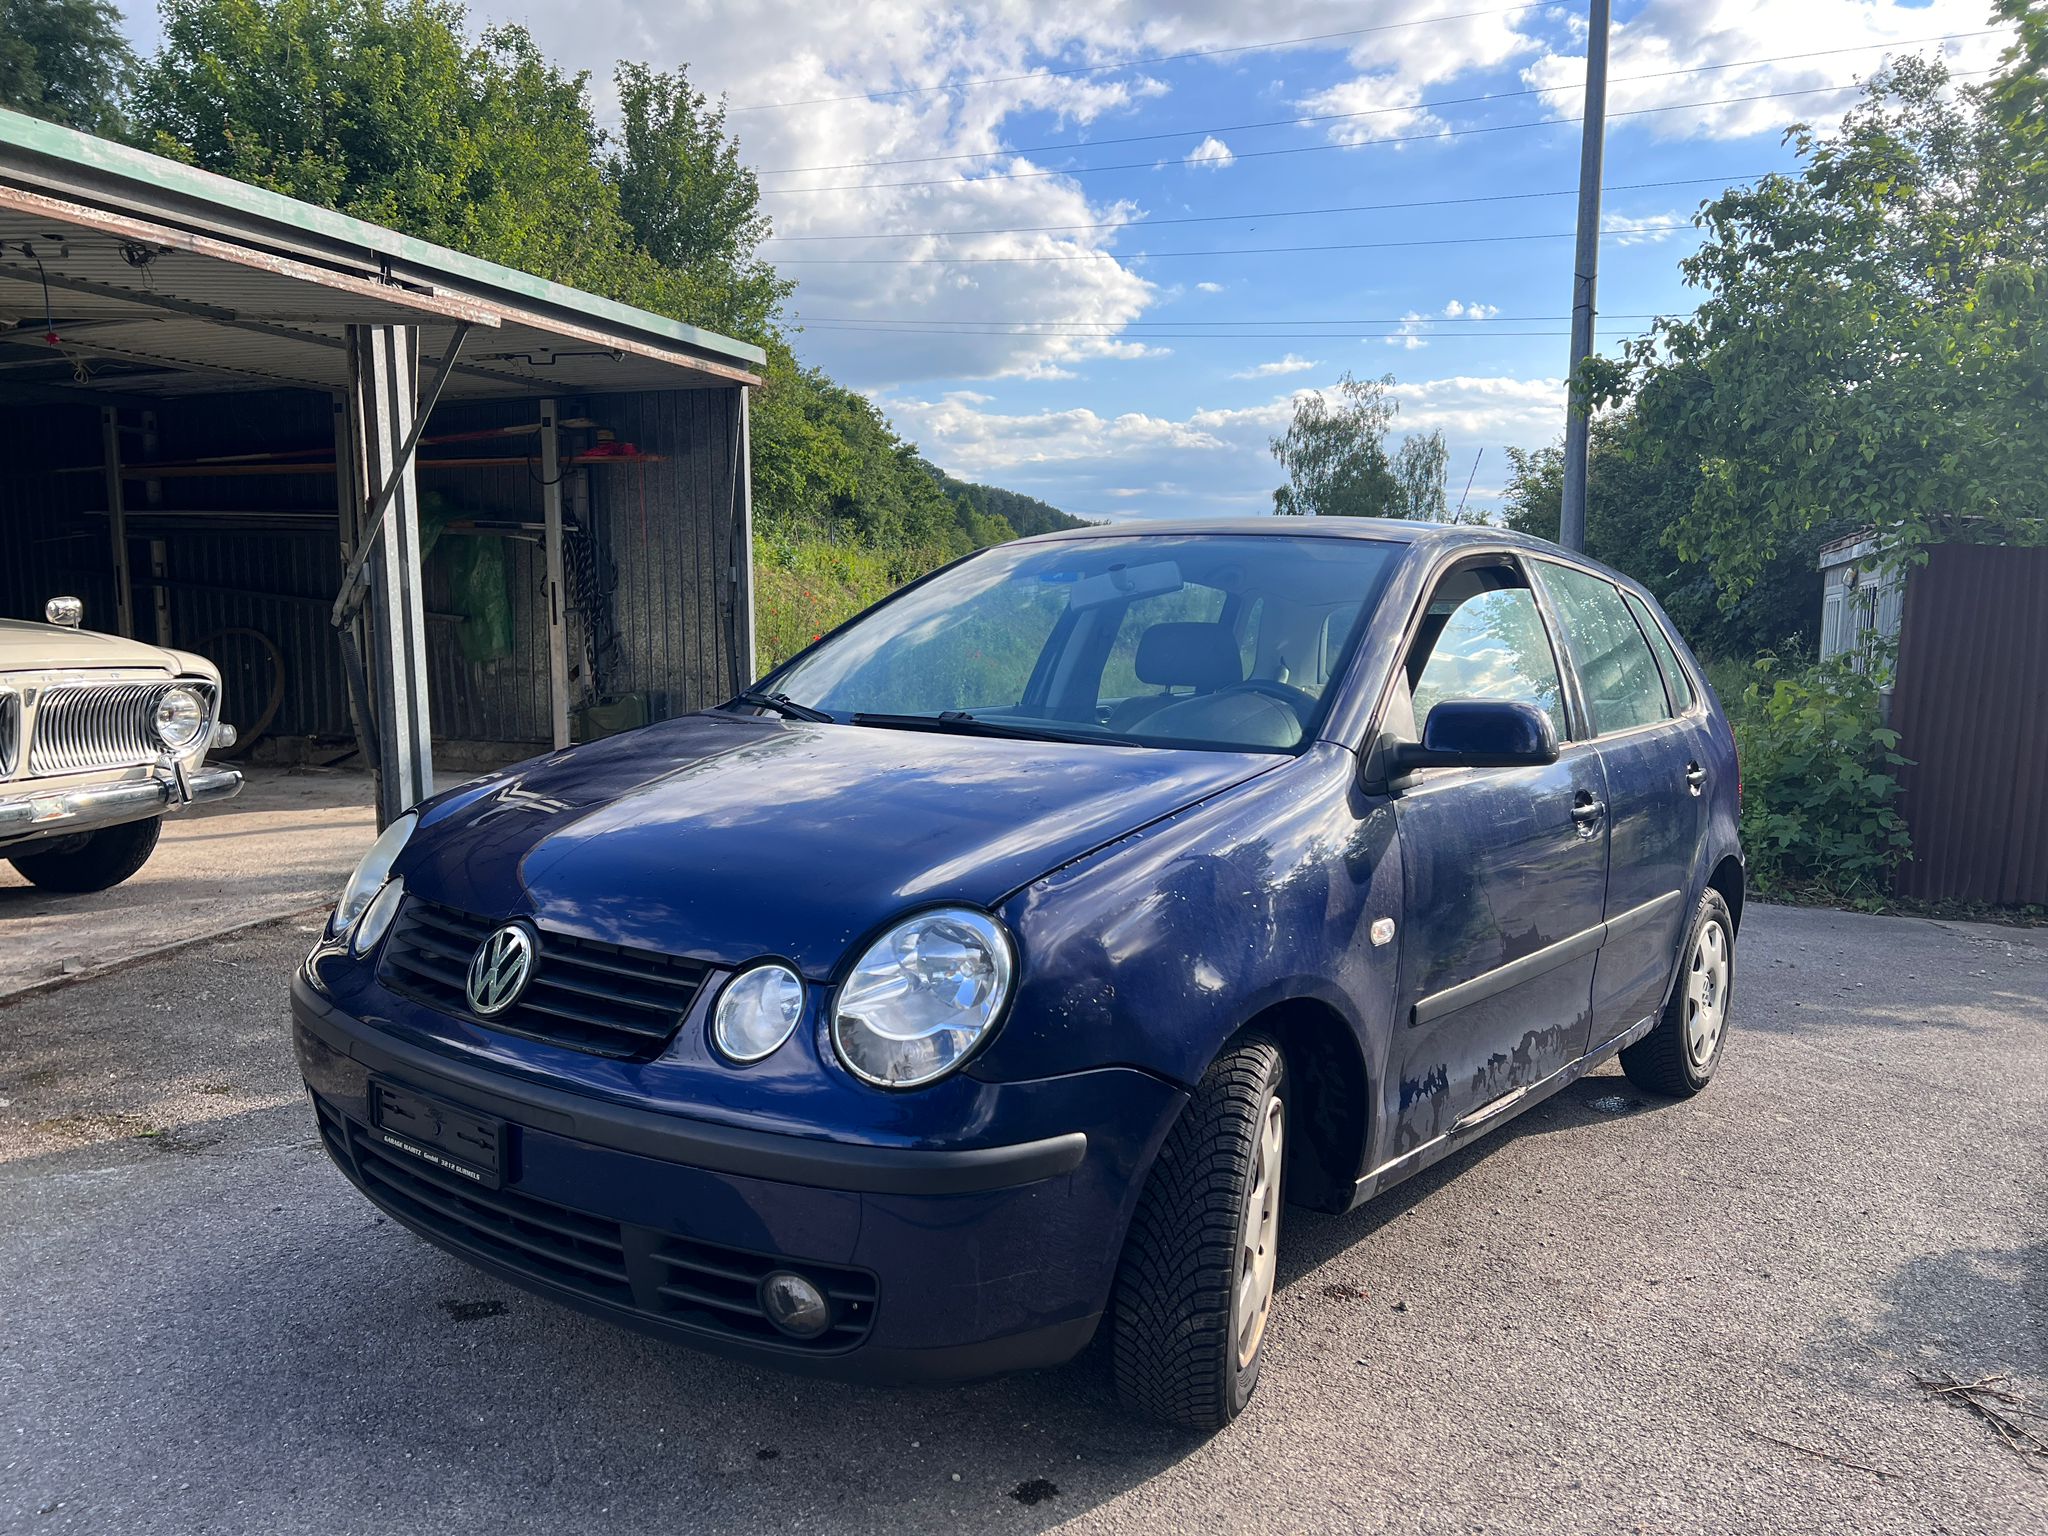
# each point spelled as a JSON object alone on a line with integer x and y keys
{"x": 1820, "y": 786}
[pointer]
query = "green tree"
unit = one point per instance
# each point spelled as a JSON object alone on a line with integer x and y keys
{"x": 389, "y": 113}
{"x": 64, "y": 61}
{"x": 1872, "y": 344}
{"x": 691, "y": 203}
{"x": 1335, "y": 452}
{"x": 1634, "y": 501}
{"x": 1421, "y": 467}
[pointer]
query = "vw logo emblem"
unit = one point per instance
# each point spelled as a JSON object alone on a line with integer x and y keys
{"x": 500, "y": 970}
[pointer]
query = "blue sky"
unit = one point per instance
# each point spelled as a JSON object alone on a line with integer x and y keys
{"x": 1120, "y": 379}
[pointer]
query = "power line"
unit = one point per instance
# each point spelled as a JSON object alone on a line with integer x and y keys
{"x": 1277, "y": 213}
{"x": 1422, "y": 336}
{"x": 1311, "y": 149}
{"x": 1307, "y": 119}
{"x": 1135, "y": 63}
{"x": 1111, "y": 328}
{"x": 1240, "y": 250}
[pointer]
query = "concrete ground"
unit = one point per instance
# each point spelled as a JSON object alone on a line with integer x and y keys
{"x": 283, "y": 845}
{"x": 1614, "y": 1315}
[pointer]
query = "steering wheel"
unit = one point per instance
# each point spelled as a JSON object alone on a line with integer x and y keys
{"x": 1303, "y": 704}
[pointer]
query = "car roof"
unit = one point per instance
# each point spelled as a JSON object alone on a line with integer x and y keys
{"x": 1430, "y": 537}
{"x": 1386, "y": 530}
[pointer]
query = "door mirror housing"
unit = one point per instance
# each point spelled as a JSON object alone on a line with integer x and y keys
{"x": 1478, "y": 733}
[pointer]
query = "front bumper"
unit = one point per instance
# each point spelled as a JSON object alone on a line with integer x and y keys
{"x": 945, "y": 1264}
{"x": 62, "y": 812}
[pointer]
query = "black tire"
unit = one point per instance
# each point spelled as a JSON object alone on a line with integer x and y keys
{"x": 1664, "y": 1060}
{"x": 1175, "y": 1329}
{"x": 105, "y": 859}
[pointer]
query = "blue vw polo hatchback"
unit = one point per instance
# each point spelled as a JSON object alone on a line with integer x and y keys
{"x": 993, "y": 973}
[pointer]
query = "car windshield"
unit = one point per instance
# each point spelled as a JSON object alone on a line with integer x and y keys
{"x": 1206, "y": 640}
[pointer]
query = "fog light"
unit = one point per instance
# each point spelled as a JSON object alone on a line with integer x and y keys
{"x": 795, "y": 1305}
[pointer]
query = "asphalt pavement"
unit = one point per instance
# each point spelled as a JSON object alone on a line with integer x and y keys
{"x": 1614, "y": 1315}
{"x": 284, "y": 844}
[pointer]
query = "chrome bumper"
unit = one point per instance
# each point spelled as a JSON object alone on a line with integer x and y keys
{"x": 58, "y": 812}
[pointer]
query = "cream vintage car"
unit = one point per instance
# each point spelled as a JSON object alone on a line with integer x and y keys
{"x": 99, "y": 737}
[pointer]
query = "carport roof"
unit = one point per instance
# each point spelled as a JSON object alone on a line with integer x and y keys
{"x": 157, "y": 278}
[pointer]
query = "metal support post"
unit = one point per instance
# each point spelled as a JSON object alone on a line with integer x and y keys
{"x": 117, "y": 521}
{"x": 383, "y": 368}
{"x": 557, "y": 612}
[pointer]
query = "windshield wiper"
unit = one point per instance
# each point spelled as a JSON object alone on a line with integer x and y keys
{"x": 958, "y": 722}
{"x": 783, "y": 705}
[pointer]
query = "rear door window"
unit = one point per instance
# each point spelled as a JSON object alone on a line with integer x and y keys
{"x": 1674, "y": 674}
{"x": 1618, "y": 674}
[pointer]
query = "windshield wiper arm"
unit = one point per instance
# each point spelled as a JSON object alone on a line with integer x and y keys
{"x": 960, "y": 723}
{"x": 783, "y": 705}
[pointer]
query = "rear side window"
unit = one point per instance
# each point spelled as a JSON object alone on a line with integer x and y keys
{"x": 1617, "y": 671}
{"x": 1674, "y": 674}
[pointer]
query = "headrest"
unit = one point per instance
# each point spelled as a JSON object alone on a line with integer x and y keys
{"x": 1199, "y": 656}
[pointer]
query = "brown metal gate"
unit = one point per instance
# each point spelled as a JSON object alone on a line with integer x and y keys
{"x": 1971, "y": 709}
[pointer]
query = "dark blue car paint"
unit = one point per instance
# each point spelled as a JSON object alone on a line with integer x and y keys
{"x": 1159, "y": 900}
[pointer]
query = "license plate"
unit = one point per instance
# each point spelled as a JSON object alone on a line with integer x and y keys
{"x": 455, "y": 1140}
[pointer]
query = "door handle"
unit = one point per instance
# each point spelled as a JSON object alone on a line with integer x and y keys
{"x": 1695, "y": 777}
{"x": 1586, "y": 810}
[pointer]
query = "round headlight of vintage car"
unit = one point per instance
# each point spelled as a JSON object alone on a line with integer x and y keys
{"x": 756, "y": 1012}
{"x": 180, "y": 719}
{"x": 922, "y": 997}
{"x": 370, "y": 875}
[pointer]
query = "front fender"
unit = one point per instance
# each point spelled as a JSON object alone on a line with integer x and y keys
{"x": 1156, "y": 950}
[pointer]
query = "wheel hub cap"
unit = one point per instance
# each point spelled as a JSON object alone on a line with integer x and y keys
{"x": 1706, "y": 994}
{"x": 1258, "y": 1245}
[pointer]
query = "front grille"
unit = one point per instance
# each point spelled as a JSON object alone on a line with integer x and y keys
{"x": 584, "y": 1253}
{"x": 82, "y": 726}
{"x": 700, "y": 1287}
{"x": 10, "y": 732}
{"x": 601, "y": 998}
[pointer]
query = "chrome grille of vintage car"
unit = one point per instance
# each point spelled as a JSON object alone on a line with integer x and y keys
{"x": 10, "y": 732}
{"x": 82, "y": 726}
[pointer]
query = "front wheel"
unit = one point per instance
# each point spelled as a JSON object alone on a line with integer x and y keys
{"x": 94, "y": 862}
{"x": 1679, "y": 1055}
{"x": 1194, "y": 1291}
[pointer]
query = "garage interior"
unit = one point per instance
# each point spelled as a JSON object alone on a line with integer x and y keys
{"x": 418, "y": 507}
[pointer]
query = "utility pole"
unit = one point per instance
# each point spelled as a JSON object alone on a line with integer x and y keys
{"x": 1585, "y": 278}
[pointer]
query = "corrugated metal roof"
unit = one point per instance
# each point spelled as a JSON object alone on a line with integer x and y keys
{"x": 164, "y": 279}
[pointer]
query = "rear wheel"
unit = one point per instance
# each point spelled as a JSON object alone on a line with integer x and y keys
{"x": 95, "y": 861}
{"x": 1679, "y": 1055}
{"x": 1194, "y": 1292}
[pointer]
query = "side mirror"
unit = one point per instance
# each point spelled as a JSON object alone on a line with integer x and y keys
{"x": 1478, "y": 733}
{"x": 66, "y": 611}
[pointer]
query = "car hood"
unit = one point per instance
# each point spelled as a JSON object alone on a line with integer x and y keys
{"x": 729, "y": 837}
{"x": 26, "y": 646}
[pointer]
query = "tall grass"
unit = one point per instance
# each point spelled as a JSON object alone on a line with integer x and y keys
{"x": 809, "y": 581}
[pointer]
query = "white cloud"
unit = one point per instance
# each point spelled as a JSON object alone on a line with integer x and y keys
{"x": 1291, "y": 363}
{"x": 1685, "y": 35}
{"x": 1654, "y": 230}
{"x": 1212, "y": 153}
{"x": 1458, "y": 310}
{"x": 1208, "y": 287}
{"x": 1141, "y": 464}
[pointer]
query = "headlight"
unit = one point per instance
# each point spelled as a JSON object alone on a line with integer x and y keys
{"x": 370, "y": 875}
{"x": 180, "y": 718}
{"x": 383, "y": 907}
{"x": 756, "y": 1012}
{"x": 922, "y": 997}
